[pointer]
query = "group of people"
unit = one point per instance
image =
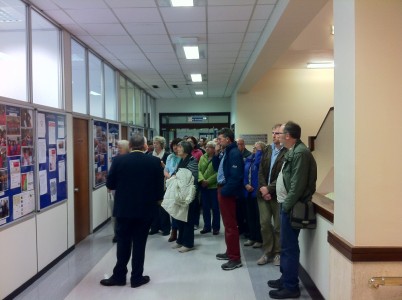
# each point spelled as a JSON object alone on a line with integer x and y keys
{"x": 267, "y": 181}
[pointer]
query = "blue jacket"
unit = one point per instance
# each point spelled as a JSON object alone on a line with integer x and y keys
{"x": 253, "y": 162}
{"x": 233, "y": 169}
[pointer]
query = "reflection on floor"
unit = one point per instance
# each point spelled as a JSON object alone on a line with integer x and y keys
{"x": 192, "y": 275}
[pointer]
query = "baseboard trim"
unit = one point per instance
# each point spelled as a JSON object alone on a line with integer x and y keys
{"x": 101, "y": 225}
{"x": 309, "y": 284}
{"x": 359, "y": 253}
{"x": 38, "y": 275}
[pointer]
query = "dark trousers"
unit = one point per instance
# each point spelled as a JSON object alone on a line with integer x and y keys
{"x": 174, "y": 224}
{"x": 132, "y": 237}
{"x": 290, "y": 254}
{"x": 253, "y": 219}
{"x": 185, "y": 235}
{"x": 161, "y": 221}
{"x": 209, "y": 198}
{"x": 197, "y": 208}
{"x": 227, "y": 205}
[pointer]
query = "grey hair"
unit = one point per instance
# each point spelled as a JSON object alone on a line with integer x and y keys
{"x": 161, "y": 140}
{"x": 124, "y": 144}
{"x": 210, "y": 144}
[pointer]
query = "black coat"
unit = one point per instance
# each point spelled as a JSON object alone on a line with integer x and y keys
{"x": 137, "y": 179}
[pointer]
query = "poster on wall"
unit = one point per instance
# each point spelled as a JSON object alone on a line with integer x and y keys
{"x": 100, "y": 137}
{"x": 134, "y": 130}
{"x": 52, "y": 158}
{"x": 17, "y": 164}
{"x": 113, "y": 139}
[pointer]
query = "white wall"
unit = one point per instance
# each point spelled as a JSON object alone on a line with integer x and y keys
{"x": 99, "y": 207}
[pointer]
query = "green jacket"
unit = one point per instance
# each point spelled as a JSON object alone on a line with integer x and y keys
{"x": 299, "y": 175}
{"x": 206, "y": 172}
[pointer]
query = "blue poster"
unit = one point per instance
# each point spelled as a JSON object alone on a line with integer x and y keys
{"x": 100, "y": 152}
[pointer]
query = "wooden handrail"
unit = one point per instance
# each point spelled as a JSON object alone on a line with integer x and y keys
{"x": 311, "y": 139}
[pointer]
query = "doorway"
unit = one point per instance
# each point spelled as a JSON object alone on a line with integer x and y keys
{"x": 81, "y": 179}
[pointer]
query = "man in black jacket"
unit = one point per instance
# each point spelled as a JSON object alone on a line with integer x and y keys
{"x": 230, "y": 167}
{"x": 137, "y": 179}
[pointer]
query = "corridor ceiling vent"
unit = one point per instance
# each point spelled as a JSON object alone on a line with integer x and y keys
{"x": 155, "y": 86}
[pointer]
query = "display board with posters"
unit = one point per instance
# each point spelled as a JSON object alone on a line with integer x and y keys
{"x": 135, "y": 130}
{"x": 17, "y": 163}
{"x": 52, "y": 158}
{"x": 113, "y": 139}
{"x": 100, "y": 137}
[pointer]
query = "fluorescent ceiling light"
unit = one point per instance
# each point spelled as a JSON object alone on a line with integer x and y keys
{"x": 196, "y": 77}
{"x": 199, "y": 93}
{"x": 321, "y": 65}
{"x": 94, "y": 93}
{"x": 182, "y": 2}
{"x": 191, "y": 52}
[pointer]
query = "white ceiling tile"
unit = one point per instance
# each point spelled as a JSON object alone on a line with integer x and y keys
{"x": 245, "y": 53}
{"x": 145, "y": 28}
{"x": 162, "y": 56}
{"x": 44, "y": 4}
{"x": 186, "y": 27}
{"x": 221, "y": 54}
{"x": 80, "y": 4}
{"x": 60, "y": 15}
{"x": 120, "y": 49}
{"x": 128, "y": 15}
{"x": 151, "y": 39}
{"x": 76, "y": 30}
{"x": 229, "y": 13}
{"x": 227, "y": 26}
{"x": 220, "y": 67}
{"x": 193, "y": 61}
{"x": 222, "y": 60}
{"x": 167, "y": 48}
{"x": 241, "y": 60}
{"x": 267, "y": 1}
{"x": 252, "y": 37}
{"x": 183, "y": 14}
{"x": 232, "y": 47}
{"x": 130, "y": 3}
{"x": 93, "y": 15}
{"x": 231, "y": 2}
{"x": 262, "y": 12}
{"x": 104, "y": 29}
{"x": 114, "y": 40}
{"x": 214, "y": 38}
{"x": 248, "y": 46}
{"x": 256, "y": 25}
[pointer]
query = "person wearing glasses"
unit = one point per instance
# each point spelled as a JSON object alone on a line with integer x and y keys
{"x": 271, "y": 164}
{"x": 296, "y": 181}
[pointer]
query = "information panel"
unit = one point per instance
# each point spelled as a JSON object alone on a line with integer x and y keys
{"x": 99, "y": 134}
{"x": 113, "y": 138}
{"x": 52, "y": 158}
{"x": 17, "y": 165}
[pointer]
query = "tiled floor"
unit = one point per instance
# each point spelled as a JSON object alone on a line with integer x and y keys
{"x": 192, "y": 275}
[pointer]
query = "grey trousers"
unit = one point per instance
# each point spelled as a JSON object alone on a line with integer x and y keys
{"x": 270, "y": 226}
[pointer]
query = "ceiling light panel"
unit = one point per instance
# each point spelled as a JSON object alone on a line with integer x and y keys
{"x": 196, "y": 77}
{"x": 191, "y": 52}
{"x": 178, "y": 3}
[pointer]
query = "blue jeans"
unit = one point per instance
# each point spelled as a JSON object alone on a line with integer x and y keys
{"x": 290, "y": 254}
{"x": 209, "y": 199}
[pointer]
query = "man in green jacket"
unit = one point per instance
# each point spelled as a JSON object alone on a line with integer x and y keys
{"x": 207, "y": 179}
{"x": 296, "y": 182}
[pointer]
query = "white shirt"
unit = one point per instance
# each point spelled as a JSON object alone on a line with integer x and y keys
{"x": 281, "y": 192}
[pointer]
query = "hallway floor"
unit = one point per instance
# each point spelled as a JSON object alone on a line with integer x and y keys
{"x": 193, "y": 275}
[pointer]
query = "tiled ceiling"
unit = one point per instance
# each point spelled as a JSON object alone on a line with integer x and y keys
{"x": 143, "y": 39}
{"x": 239, "y": 40}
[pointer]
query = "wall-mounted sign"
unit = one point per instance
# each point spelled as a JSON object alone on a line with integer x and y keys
{"x": 197, "y": 119}
{"x": 251, "y": 139}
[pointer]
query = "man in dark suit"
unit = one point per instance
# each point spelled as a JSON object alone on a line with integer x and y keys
{"x": 137, "y": 179}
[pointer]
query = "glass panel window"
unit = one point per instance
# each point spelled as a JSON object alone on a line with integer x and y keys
{"x": 46, "y": 58}
{"x": 138, "y": 111}
{"x": 130, "y": 103}
{"x": 79, "y": 76}
{"x": 123, "y": 100}
{"x": 95, "y": 86}
{"x": 110, "y": 93}
{"x": 13, "y": 50}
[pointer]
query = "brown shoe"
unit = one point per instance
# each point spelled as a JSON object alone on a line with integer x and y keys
{"x": 173, "y": 236}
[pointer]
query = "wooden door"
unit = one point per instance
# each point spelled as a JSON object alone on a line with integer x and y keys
{"x": 124, "y": 133}
{"x": 81, "y": 179}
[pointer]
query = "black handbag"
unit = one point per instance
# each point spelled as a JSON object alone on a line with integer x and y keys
{"x": 303, "y": 215}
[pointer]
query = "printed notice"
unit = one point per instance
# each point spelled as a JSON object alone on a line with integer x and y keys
{"x": 52, "y": 132}
{"x": 41, "y": 151}
{"x": 61, "y": 146}
{"x": 42, "y": 182}
{"x": 53, "y": 189}
{"x": 15, "y": 174}
{"x": 60, "y": 127}
{"x": 62, "y": 171}
{"x": 41, "y": 126}
{"x": 52, "y": 159}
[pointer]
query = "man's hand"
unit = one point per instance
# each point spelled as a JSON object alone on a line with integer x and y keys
{"x": 249, "y": 188}
{"x": 204, "y": 183}
{"x": 265, "y": 193}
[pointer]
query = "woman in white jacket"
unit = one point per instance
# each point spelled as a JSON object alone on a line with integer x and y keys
{"x": 185, "y": 239}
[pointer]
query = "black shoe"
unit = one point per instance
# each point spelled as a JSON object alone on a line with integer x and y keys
{"x": 275, "y": 284}
{"x": 152, "y": 232}
{"x": 112, "y": 282}
{"x": 231, "y": 265}
{"x": 204, "y": 231}
{"x": 114, "y": 239}
{"x": 144, "y": 280}
{"x": 216, "y": 232}
{"x": 222, "y": 256}
{"x": 284, "y": 294}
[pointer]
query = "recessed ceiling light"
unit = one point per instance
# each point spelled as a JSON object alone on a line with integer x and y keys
{"x": 191, "y": 52}
{"x": 196, "y": 77}
{"x": 176, "y": 3}
{"x": 94, "y": 93}
{"x": 321, "y": 65}
{"x": 199, "y": 93}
